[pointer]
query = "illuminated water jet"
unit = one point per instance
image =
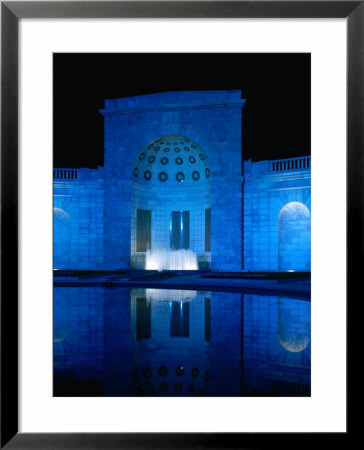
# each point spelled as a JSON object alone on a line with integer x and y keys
{"x": 167, "y": 259}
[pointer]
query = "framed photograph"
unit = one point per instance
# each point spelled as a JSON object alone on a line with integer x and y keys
{"x": 158, "y": 231}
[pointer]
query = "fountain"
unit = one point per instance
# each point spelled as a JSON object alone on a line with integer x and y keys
{"x": 168, "y": 259}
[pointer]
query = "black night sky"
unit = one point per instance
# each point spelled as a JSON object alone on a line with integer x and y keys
{"x": 277, "y": 89}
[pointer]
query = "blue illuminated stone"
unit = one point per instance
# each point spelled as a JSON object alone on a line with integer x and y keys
{"x": 260, "y": 211}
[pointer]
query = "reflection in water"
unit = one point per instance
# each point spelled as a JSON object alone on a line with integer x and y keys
{"x": 62, "y": 311}
{"x": 162, "y": 364}
{"x": 294, "y": 324}
{"x": 177, "y": 295}
{"x": 150, "y": 342}
{"x": 180, "y": 319}
{"x": 277, "y": 351}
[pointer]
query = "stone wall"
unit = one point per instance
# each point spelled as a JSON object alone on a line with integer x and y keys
{"x": 266, "y": 193}
{"x": 212, "y": 120}
{"x": 78, "y": 219}
{"x": 260, "y": 219}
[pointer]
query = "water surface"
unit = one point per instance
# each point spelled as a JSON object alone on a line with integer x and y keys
{"x": 155, "y": 342}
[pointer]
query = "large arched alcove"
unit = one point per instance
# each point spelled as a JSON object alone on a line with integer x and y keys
{"x": 171, "y": 200}
{"x": 62, "y": 239}
{"x": 294, "y": 234}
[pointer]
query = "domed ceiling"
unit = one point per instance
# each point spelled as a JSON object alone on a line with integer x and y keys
{"x": 171, "y": 160}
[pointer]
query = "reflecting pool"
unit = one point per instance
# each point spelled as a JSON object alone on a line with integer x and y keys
{"x": 156, "y": 342}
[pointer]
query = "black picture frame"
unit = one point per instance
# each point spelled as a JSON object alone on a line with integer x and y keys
{"x": 11, "y": 12}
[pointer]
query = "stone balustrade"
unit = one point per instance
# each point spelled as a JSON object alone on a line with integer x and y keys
{"x": 291, "y": 164}
{"x": 65, "y": 174}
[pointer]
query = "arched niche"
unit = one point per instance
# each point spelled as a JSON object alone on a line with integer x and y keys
{"x": 61, "y": 239}
{"x": 171, "y": 200}
{"x": 294, "y": 237}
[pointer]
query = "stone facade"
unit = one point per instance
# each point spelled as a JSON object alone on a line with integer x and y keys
{"x": 277, "y": 205}
{"x": 236, "y": 216}
{"x": 78, "y": 224}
